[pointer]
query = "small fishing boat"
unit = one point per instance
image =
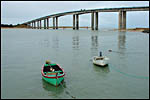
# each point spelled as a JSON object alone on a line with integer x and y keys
{"x": 100, "y": 60}
{"x": 55, "y": 78}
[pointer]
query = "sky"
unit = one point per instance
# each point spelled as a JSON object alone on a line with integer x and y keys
{"x": 17, "y": 12}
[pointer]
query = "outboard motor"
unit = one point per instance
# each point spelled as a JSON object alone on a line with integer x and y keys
{"x": 100, "y": 54}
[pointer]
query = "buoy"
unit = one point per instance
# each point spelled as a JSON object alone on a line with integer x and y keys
{"x": 110, "y": 50}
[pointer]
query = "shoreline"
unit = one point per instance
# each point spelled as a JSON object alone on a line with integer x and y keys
{"x": 50, "y": 27}
{"x": 133, "y": 29}
{"x": 144, "y": 30}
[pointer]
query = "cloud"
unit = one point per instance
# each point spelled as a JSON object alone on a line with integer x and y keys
{"x": 14, "y": 12}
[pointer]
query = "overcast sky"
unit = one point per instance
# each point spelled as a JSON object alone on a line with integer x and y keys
{"x": 17, "y": 12}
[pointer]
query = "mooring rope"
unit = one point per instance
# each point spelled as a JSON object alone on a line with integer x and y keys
{"x": 139, "y": 52}
{"x": 65, "y": 90}
{"x": 129, "y": 75}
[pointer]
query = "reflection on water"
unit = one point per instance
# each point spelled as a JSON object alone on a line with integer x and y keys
{"x": 101, "y": 69}
{"x": 121, "y": 41}
{"x": 75, "y": 47}
{"x": 94, "y": 44}
{"x": 75, "y": 42}
{"x": 51, "y": 88}
{"x": 121, "y": 45}
{"x": 56, "y": 91}
{"x": 45, "y": 43}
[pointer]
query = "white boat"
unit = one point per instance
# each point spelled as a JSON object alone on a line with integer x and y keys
{"x": 100, "y": 60}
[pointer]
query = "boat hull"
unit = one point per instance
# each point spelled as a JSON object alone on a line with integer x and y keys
{"x": 53, "y": 81}
{"x": 100, "y": 65}
{"x": 54, "y": 78}
{"x": 100, "y": 61}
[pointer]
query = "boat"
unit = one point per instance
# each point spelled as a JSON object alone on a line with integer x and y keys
{"x": 100, "y": 60}
{"x": 55, "y": 78}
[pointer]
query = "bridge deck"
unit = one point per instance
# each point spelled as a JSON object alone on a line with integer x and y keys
{"x": 146, "y": 8}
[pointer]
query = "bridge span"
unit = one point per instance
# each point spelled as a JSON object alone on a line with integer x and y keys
{"x": 37, "y": 23}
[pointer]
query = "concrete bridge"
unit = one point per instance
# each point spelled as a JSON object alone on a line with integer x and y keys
{"x": 37, "y": 23}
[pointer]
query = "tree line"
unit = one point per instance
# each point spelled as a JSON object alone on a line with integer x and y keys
{"x": 9, "y": 25}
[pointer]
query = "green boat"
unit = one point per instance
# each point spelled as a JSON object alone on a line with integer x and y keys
{"x": 54, "y": 78}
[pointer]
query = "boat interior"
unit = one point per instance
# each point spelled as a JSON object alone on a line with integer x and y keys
{"x": 56, "y": 67}
{"x": 100, "y": 58}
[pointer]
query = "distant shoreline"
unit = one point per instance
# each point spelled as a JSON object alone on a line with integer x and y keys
{"x": 145, "y": 30}
{"x": 51, "y": 27}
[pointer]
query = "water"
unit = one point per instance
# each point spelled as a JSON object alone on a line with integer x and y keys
{"x": 24, "y": 51}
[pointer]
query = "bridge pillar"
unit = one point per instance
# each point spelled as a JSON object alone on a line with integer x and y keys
{"x": 122, "y": 20}
{"x": 73, "y": 22}
{"x": 92, "y": 20}
{"x": 96, "y": 20}
{"x": 34, "y": 25}
{"x": 77, "y": 21}
{"x": 53, "y": 22}
{"x": 47, "y": 23}
{"x": 56, "y": 22}
{"x": 31, "y": 25}
{"x": 40, "y": 24}
{"x": 44, "y": 23}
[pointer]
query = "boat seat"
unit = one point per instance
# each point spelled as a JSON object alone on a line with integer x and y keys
{"x": 99, "y": 58}
{"x": 52, "y": 73}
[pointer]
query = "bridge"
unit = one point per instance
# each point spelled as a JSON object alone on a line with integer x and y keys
{"x": 37, "y": 23}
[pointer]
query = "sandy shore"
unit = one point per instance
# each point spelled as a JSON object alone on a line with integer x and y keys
{"x": 134, "y": 29}
{"x": 145, "y": 30}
